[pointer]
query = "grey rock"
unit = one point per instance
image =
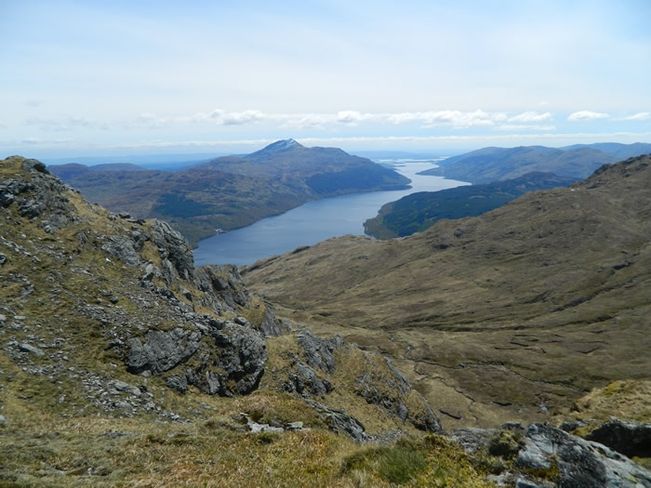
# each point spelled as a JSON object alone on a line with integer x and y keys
{"x": 319, "y": 352}
{"x": 160, "y": 351}
{"x": 304, "y": 380}
{"x": 525, "y": 483}
{"x": 257, "y": 428}
{"x": 174, "y": 248}
{"x": 3, "y": 420}
{"x": 178, "y": 383}
{"x": 3, "y": 318}
{"x": 121, "y": 386}
{"x": 25, "y": 347}
{"x": 391, "y": 392}
{"x": 3, "y": 259}
{"x": 122, "y": 248}
{"x": 628, "y": 438}
{"x": 223, "y": 283}
{"x": 581, "y": 463}
{"x": 6, "y": 198}
{"x": 271, "y": 326}
{"x": 33, "y": 165}
{"x": 31, "y": 208}
{"x": 340, "y": 422}
{"x": 473, "y": 439}
{"x": 151, "y": 272}
{"x": 571, "y": 425}
{"x": 186, "y": 293}
{"x": 294, "y": 426}
{"x": 234, "y": 365}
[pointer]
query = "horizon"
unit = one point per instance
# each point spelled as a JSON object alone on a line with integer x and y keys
{"x": 443, "y": 78}
{"x": 174, "y": 159}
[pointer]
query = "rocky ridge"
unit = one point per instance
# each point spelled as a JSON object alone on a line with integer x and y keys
{"x": 131, "y": 286}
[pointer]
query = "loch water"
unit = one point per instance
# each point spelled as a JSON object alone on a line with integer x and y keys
{"x": 313, "y": 221}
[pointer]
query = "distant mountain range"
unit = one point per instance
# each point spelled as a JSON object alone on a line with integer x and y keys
{"x": 496, "y": 163}
{"x": 418, "y": 211}
{"x": 230, "y": 191}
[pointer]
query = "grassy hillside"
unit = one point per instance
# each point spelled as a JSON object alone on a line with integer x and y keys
{"x": 230, "y": 192}
{"x": 122, "y": 364}
{"x": 221, "y": 394}
{"x": 496, "y": 163}
{"x": 418, "y": 211}
{"x": 510, "y": 314}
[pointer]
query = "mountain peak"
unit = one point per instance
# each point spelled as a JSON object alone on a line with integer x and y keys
{"x": 282, "y": 145}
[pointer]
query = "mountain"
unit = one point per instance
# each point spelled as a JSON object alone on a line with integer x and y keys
{"x": 231, "y": 191}
{"x": 512, "y": 314}
{"x": 496, "y": 163}
{"x": 123, "y": 364}
{"x": 106, "y": 323}
{"x": 418, "y": 211}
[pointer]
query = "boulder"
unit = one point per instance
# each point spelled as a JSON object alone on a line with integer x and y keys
{"x": 233, "y": 364}
{"x": 579, "y": 463}
{"x": 36, "y": 351}
{"x": 628, "y": 438}
{"x": 160, "y": 351}
{"x": 340, "y": 422}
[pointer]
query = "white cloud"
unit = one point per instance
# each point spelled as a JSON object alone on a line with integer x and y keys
{"x": 584, "y": 115}
{"x": 352, "y": 117}
{"x": 65, "y": 124}
{"x": 530, "y": 127}
{"x": 528, "y": 117}
{"x": 638, "y": 116}
{"x": 237, "y": 118}
{"x": 455, "y": 118}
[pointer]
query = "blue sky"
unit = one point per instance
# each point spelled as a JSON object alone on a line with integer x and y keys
{"x": 120, "y": 77}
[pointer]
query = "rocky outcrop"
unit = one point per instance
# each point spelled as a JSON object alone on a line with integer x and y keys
{"x": 389, "y": 389}
{"x": 306, "y": 381}
{"x": 225, "y": 283}
{"x": 580, "y": 463}
{"x": 173, "y": 248}
{"x": 123, "y": 248}
{"x": 39, "y": 196}
{"x": 308, "y": 371}
{"x": 626, "y": 437}
{"x": 160, "y": 351}
{"x": 340, "y": 422}
{"x": 315, "y": 372}
{"x": 219, "y": 359}
{"x": 544, "y": 456}
{"x": 319, "y": 352}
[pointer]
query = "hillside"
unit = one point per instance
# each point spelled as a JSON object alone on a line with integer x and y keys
{"x": 496, "y": 163}
{"x": 418, "y": 211}
{"x": 232, "y": 191}
{"x": 512, "y": 314}
{"x": 122, "y": 361}
{"x": 122, "y": 364}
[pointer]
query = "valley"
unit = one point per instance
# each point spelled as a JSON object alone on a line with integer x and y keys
{"x": 508, "y": 315}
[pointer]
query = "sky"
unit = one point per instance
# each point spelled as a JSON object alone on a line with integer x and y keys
{"x": 135, "y": 77}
